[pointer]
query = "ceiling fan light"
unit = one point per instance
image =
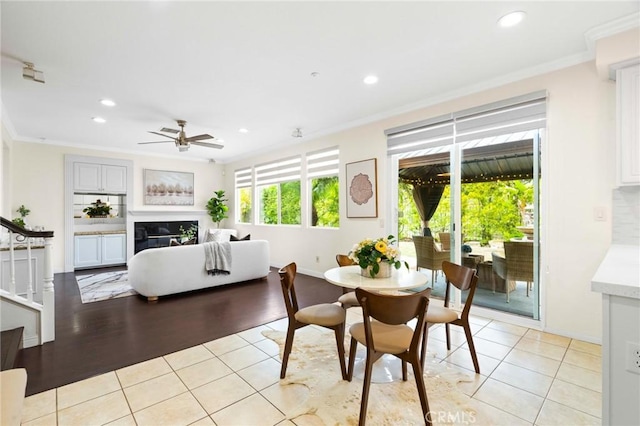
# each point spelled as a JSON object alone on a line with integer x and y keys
{"x": 183, "y": 148}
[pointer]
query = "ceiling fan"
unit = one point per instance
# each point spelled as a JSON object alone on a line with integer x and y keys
{"x": 182, "y": 141}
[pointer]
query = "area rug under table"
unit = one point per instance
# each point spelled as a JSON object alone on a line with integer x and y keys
{"x": 317, "y": 394}
{"x": 104, "y": 286}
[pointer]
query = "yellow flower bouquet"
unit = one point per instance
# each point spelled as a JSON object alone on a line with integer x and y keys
{"x": 370, "y": 254}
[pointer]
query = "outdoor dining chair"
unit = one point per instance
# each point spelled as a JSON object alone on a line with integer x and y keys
{"x": 324, "y": 315}
{"x": 464, "y": 279}
{"x": 385, "y": 331}
{"x": 429, "y": 256}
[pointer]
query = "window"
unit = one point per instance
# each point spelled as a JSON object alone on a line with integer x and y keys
{"x": 322, "y": 171}
{"x": 243, "y": 195}
{"x": 278, "y": 191}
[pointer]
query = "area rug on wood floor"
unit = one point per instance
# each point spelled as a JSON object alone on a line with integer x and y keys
{"x": 104, "y": 286}
{"x": 314, "y": 381}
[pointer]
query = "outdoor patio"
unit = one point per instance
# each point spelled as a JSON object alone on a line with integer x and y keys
{"x": 519, "y": 303}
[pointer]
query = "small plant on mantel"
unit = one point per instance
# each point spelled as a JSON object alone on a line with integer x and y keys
{"x": 217, "y": 208}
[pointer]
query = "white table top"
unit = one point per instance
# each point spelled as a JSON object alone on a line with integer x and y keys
{"x": 400, "y": 279}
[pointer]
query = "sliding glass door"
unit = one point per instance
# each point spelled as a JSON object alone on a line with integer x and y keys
{"x": 474, "y": 177}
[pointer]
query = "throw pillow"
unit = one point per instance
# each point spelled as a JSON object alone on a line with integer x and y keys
{"x": 245, "y": 238}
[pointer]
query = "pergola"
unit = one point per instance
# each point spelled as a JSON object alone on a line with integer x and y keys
{"x": 430, "y": 173}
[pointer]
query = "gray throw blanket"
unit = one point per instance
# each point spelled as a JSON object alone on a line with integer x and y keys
{"x": 217, "y": 258}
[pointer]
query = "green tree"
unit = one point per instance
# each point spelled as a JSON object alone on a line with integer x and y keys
{"x": 325, "y": 202}
{"x": 269, "y": 205}
{"x": 244, "y": 195}
{"x": 290, "y": 203}
{"x": 490, "y": 210}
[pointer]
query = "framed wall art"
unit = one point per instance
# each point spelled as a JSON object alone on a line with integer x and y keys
{"x": 362, "y": 188}
{"x": 165, "y": 188}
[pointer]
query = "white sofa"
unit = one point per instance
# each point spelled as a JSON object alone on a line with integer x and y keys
{"x": 169, "y": 270}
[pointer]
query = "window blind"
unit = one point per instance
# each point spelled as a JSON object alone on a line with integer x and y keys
{"x": 243, "y": 178}
{"x": 278, "y": 171}
{"x": 519, "y": 114}
{"x": 323, "y": 163}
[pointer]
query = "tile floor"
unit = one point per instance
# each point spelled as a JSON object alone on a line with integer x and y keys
{"x": 539, "y": 378}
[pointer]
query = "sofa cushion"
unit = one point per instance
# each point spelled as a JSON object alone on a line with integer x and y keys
{"x": 219, "y": 235}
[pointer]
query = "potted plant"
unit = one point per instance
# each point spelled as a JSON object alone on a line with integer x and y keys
{"x": 23, "y": 213}
{"x": 188, "y": 235}
{"x": 98, "y": 209}
{"x": 217, "y": 208}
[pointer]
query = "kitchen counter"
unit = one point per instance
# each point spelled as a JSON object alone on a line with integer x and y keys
{"x": 619, "y": 272}
{"x": 121, "y": 231}
{"x": 618, "y": 279}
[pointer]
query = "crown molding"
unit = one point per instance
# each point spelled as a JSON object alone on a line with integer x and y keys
{"x": 611, "y": 28}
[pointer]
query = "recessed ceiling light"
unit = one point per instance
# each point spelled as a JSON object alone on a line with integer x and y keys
{"x": 220, "y": 140}
{"x": 243, "y": 130}
{"x": 511, "y": 19}
{"x": 99, "y": 120}
{"x": 370, "y": 79}
{"x": 107, "y": 102}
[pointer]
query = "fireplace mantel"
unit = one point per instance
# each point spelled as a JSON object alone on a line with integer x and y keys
{"x": 167, "y": 212}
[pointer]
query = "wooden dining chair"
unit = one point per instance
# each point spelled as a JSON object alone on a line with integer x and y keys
{"x": 348, "y": 298}
{"x": 385, "y": 331}
{"x": 325, "y": 315}
{"x": 464, "y": 279}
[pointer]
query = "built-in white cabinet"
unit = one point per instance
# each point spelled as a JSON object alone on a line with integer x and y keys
{"x": 628, "y": 117}
{"x": 100, "y": 250}
{"x": 99, "y": 178}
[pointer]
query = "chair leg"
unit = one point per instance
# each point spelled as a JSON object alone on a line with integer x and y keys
{"x": 404, "y": 370}
{"x": 352, "y": 358}
{"x": 366, "y": 386}
{"x": 287, "y": 350}
{"x": 446, "y": 327}
{"x": 472, "y": 348}
{"x": 422, "y": 391}
{"x": 340, "y": 342}
{"x": 433, "y": 280}
{"x": 423, "y": 349}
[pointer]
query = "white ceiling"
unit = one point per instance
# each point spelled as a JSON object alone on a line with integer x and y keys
{"x": 226, "y": 65}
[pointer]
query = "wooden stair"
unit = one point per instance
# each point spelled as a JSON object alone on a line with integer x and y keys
{"x": 10, "y": 344}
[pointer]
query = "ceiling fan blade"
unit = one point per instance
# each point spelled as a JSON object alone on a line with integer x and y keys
{"x": 198, "y": 138}
{"x": 160, "y": 134}
{"x": 208, "y": 145}
{"x": 144, "y": 143}
{"x": 168, "y": 130}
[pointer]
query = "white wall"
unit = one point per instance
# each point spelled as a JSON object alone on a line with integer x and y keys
{"x": 578, "y": 174}
{"x": 37, "y": 181}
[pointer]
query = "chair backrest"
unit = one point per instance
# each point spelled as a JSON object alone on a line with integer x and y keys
{"x": 427, "y": 253}
{"x": 287, "y": 277}
{"x": 463, "y": 278}
{"x": 519, "y": 259}
{"x": 344, "y": 260}
{"x": 445, "y": 240}
{"x": 394, "y": 309}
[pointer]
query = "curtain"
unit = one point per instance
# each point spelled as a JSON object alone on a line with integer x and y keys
{"x": 427, "y": 199}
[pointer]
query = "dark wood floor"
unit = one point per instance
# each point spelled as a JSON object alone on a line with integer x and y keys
{"x": 99, "y": 337}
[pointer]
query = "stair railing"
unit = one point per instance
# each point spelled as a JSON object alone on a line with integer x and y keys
{"x": 18, "y": 234}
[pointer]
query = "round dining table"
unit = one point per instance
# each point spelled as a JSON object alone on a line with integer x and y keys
{"x": 400, "y": 279}
{"x": 387, "y": 368}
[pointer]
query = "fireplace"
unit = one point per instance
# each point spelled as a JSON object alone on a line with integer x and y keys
{"x": 159, "y": 233}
